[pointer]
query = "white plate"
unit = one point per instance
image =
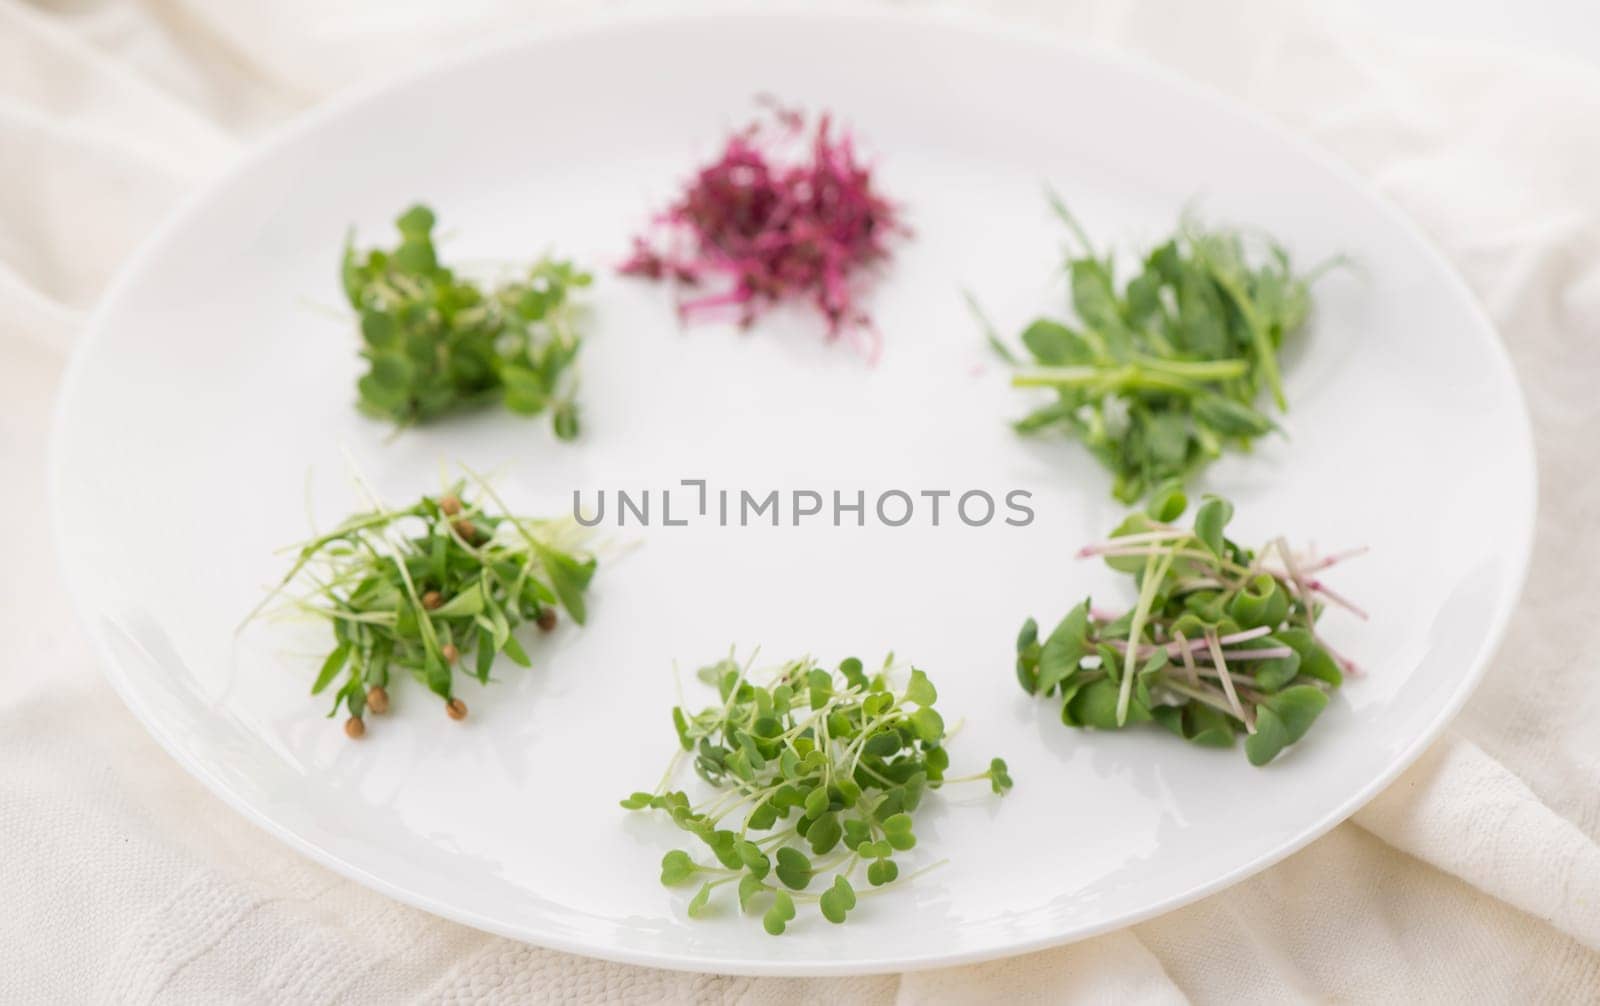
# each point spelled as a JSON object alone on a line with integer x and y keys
{"x": 209, "y": 386}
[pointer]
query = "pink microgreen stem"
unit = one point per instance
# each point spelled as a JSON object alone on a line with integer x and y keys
{"x": 1339, "y": 599}
{"x": 1193, "y": 645}
{"x": 1265, "y": 653}
{"x": 1124, "y": 540}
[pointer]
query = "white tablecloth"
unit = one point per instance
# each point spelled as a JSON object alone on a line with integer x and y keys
{"x": 1476, "y": 875}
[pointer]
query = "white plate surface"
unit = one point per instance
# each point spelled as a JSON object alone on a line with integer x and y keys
{"x": 211, "y": 384}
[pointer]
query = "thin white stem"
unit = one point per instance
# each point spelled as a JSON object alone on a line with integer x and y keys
{"x": 1188, "y": 658}
{"x": 1227, "y": 681}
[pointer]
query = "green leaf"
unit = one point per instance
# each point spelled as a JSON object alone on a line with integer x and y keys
{"x": 1314, "y": 660}
{"x": 698, "y": 903}
{"x": 793, "y": 868}
{"x": 837, "y": 901}
{"x": 824, "y": 834}
{"x": 920, "y": 690}
{"x": 1282, "y": 720}
{"x": 331, "y": 667}
{"x": 379, "y": 330}
{"x": 465, "y": 604}
{"x": 1210, "y": 520}
{"x": 897, "y": 831}
{"x": 518, "y": 655}
{"x": 928, "y": 725}
{"x": 1028, "y": 635}
{"x": 1095, "y": 302}
{"x": 1269, "y": 739}
{"x": 724, "y": 844}
{"x": 1298, "y": 708}
{"x": 676, "y": 868}
{"x": 392, "y": 371}
{"x": 1274, "y": 673}
{"x": 416, "y": 222}
{"x": 753, "y": 859}
{"x": 884, "y": 871}
{"x": 1231, "y": 418}
{"x": 1167, "y": 503}
{"x": 1259, "y": 602}
{"x": 564, "y": 420}
{"x": 1064, "y": 650}
{"x": 750, "y": 885}
{"x": 1208, "y": 727}
{"x": 525, "y": 391}
{"x": 1055, "y": 345}
{"x": 1095, "y": 705}
{"x": 999, "y": 777}
{"x": 569, "y": 577}
{"x": 780, "y": 914}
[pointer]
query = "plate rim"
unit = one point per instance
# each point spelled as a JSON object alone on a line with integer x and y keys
{"x": 598, "y": 23}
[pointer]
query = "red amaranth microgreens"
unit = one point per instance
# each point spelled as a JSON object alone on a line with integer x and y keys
{"x": 777, "y": 224}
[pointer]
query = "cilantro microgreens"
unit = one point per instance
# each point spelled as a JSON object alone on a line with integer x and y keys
{"x": 432, "y": 588}
{"x": 1220, "y": 639}
{"x": 435, "y": 342}
{"x": 1162, "y": 373}
{"x": 846, "y": 755}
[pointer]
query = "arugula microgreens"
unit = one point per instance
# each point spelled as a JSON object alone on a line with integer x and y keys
{"x": 847, "y": 755}
{"x": 435, "y": 342}
{"x": 1221, "y": 639}
{"x": 1164, "y": 372}
{"x": 429, "y": 589}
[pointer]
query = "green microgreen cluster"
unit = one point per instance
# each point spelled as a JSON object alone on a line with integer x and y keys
{"x": 435, "y": 342}
{"x": 1221, "y": 639}
{"x": 433, "y": 589}
{"x": 1162, "y": 372}
{"x": 817, "y": 775}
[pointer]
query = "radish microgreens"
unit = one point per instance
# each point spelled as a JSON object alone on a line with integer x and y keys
{"x": 1221, "y": 639}
{"x": 434, "y": 589}
{"x": 435, "y": 342}
{"x": 823, "y": 771}
{"x": 1160, "y": 374}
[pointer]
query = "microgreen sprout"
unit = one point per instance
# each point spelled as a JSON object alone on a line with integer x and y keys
{"x": 434, "y": 589}
{"x": 817, "y": 776}
{"x": 1160, "y": 374}
{"x": 1221, "y": 638}
{"x": 784, "y": 212}
{"x": 436, "y": 342}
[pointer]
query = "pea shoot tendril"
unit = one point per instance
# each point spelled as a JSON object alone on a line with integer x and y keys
{"x": 1157, "y": 375}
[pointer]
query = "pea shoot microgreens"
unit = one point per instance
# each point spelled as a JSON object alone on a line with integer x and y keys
{"x": 435, "y": 342}
{"x": 432, "y": 589}
{"x": 1160, "y": 374}
{"x": 822, "y": 771}
{"x": 1222, "y": 638}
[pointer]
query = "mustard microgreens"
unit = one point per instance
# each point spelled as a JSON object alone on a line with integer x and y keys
{"x": 1160, "y": 374}
{"x": 433, "y": 589}
{"x": 1221, "y": 638}
{"x": 435, "y": 342}
{"x": 817, "y": 776}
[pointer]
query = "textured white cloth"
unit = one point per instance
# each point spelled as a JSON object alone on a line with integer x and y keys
{"x": 1475, "y": 876}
